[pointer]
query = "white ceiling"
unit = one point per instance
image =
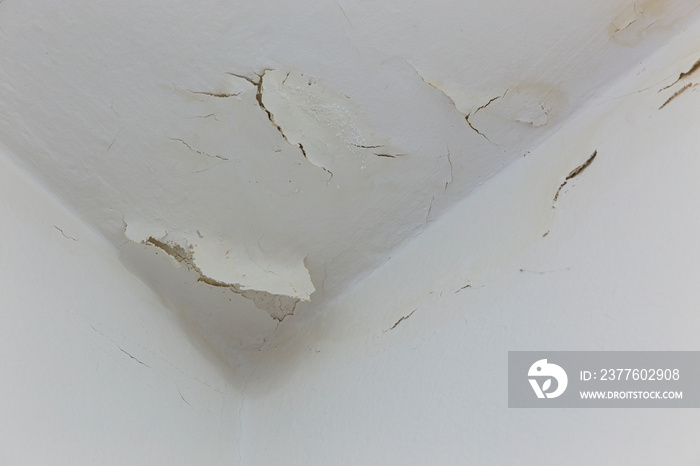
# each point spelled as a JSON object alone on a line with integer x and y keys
{"x": 282, "y": 150}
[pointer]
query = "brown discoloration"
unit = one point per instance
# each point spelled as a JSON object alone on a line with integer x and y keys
{"x": 636, "y": 20}
{"x": 677, "y": 93}
{"x": 578, "y": 170}
{"x": 685, "y": 74}
{"x": 574, "y": 173}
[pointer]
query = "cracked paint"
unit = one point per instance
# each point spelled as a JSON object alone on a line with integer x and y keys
{"x": 529, "y": 104}
{"x": 469, "y": 122}
{"x": 336, "y": 150}
{"x": 64, "y": 234}
{"x": 677, "y": 93}
{"x": 198, "y": 151}
{"x": 685, "y": 75}
{"x": 327, "y": 126}
{"x": 637, "y": 20}
{"x": 573, "y": 174}
{"x": 401, "y": 320}
{"x": 274, "y": 286}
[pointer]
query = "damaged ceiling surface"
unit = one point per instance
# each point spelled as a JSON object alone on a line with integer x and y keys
{"x": 250, "y": 160}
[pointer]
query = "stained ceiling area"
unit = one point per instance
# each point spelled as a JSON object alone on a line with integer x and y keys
{"x": 251, "y": 160}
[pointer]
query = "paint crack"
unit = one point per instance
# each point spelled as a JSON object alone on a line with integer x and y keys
{"x": 401, "y": 320}
{"x": 198, "y": 151}
{"x": 471, "y": 114}
{"x": 574, "y": 173}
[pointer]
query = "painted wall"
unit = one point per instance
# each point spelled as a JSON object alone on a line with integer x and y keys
{"x": 279, "y": 151}
{"x": 410, "y": 367}
{"x": 95, "y": 369}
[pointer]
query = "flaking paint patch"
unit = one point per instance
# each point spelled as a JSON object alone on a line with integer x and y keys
{"x": 275, "y": 286}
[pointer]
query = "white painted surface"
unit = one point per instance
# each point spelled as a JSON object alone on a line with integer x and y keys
{"x": 617, "y": 270}
{"x": 189, "y": 119}
{"x": 95, "y": 369}
{"x": 120, "y": 126}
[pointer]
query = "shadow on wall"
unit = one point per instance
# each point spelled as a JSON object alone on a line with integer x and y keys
{"x": 227, "y": 328}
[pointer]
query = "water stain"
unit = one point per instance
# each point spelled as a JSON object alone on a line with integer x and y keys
{"x": 638, "y": 20}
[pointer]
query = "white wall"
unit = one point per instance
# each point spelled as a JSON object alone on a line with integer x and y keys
{"x": 134, "y": 112}
{"x": 95, "y": 370}
{"x": 617, "y": 270}
{"x": 98, "y": 370}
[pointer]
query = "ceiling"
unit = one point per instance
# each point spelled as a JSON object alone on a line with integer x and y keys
{"x": 250, "y": 159}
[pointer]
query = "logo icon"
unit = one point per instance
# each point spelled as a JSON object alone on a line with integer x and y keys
{"x": 544, "y": 370}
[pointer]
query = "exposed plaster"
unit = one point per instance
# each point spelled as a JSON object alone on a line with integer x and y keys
{"x": 277, "y": 290}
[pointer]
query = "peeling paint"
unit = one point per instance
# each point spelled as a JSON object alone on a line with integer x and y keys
{"x": 274, "y": 286}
